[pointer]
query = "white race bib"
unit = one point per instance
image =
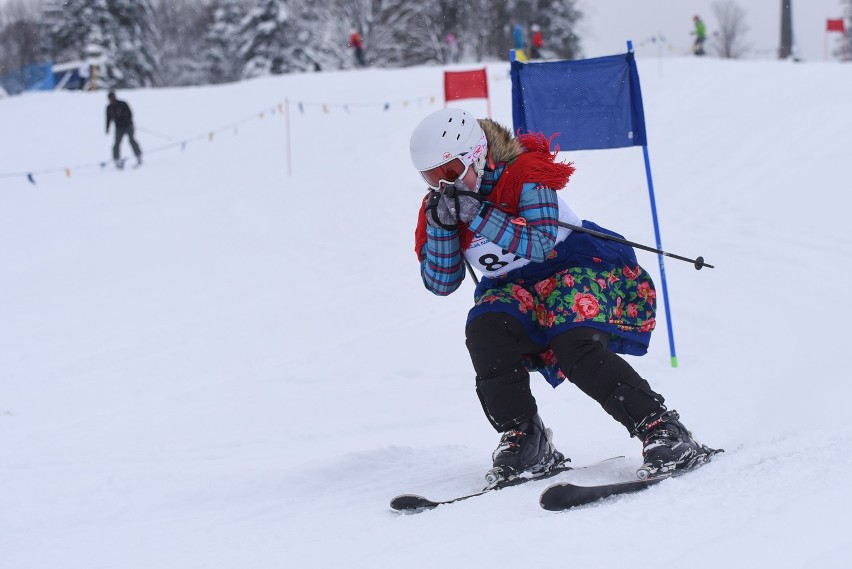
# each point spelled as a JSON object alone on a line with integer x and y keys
{"x": 492, "y": 260}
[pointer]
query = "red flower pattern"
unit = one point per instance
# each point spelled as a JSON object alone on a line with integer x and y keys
{"x": 586, "y": 305}
{"x": 617, "y": 312}
{"x": 616, "y": 297}
{"x": 647, "y": 292}
{"x": 545, "y": 287}
{"x": 524, "y": 297}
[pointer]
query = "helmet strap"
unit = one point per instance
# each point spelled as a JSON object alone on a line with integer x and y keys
{"x": 479, "y": 167}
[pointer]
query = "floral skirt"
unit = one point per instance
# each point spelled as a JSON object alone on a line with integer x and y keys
{"x": 586, "y": 281}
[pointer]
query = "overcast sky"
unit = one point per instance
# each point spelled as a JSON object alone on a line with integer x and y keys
{"x": 607, "y": 24}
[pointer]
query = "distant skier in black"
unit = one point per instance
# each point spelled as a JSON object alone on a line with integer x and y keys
{"x": 119, "y": 112}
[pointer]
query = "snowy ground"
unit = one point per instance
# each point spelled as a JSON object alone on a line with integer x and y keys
{"x": 211, "y": 363}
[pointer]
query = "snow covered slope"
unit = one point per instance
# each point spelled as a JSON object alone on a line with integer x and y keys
{"x": 219, "y": 360}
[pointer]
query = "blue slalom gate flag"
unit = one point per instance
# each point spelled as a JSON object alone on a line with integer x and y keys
{"x": 591, "y": 104}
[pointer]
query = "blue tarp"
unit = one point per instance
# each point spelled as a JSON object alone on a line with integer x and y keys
{"x": 592, "y": 103}
{"x": 35, "y": 77}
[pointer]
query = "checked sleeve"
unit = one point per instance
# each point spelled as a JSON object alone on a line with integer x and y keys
{"x": 442, "y": 269}
{"x": 533, "y": 239}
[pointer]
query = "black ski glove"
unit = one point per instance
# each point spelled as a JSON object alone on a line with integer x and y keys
{"x": 446, "y": 209}
{"x": 438, "y": 212}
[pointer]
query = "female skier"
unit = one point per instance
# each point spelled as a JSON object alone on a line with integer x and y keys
{"x": 550, "y": 299}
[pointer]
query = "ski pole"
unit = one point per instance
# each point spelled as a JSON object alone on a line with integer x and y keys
{"x": 167, "y": 137}
{"x": 470, "y": 269}
{"x": 698, "y": 262}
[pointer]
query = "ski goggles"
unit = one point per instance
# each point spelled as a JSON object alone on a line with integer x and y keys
{"x": 456, "y": 167}
{"x": 446, "y": 173}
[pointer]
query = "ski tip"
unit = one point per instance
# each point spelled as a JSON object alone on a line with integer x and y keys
{"x": 549, "y": 499}
{"x": 411, "y": 503}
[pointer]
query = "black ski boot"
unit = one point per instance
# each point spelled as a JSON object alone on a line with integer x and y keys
{"x": 667, "y": 446}
{"x": 525, "y": 449}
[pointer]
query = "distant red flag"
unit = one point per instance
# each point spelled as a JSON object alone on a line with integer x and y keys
{"x": 835, "y": 25}
{"x": 465, "y": 85}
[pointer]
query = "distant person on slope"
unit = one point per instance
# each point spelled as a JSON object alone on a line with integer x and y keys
{"x": 552, "y": 300}
{"x": 452, "y": 48}
{"x": 518, "y": 37}
{"x": 356, "y": 42}
{"x": 537, "y": 43}
{"x": 700, "y": 34}
{"x": 119, "y": 112}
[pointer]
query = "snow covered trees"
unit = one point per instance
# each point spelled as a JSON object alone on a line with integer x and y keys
{"x": 484, "y": 28}
{"x": 119, "y": 33}
{"x": 266, "y": 39}
{"x": 21, "y": 35}
{"x": 396, "y": 32}
{"x": 222, "y": 42}
{"x": 182, "y": 28}
{"x": 558, "y": 21}
{"x": 186, "y": 42}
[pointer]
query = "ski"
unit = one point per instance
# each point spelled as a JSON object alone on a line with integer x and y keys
{"x": 413, "y": 503}
{"x": 563, "y": 496}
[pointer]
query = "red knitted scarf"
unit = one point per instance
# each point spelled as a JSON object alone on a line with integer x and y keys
{"x": 536, "y": 165}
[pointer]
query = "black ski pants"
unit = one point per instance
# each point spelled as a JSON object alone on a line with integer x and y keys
{"x": 120, "y": 131}
{"x": 497, "y": 343}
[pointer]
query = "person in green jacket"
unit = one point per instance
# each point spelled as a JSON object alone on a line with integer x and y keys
{"x": 700, "y": 34}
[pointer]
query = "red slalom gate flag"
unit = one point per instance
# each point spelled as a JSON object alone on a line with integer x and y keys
{"x": 465, "y": 85}
{"x": 837, "y": 25}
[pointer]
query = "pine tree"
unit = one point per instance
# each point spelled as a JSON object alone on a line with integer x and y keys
{"x": 398, "y": 34}
{"x": 72, "y": 25}
{"x": 447, "y": 20}
{"x": 558, "y": 21}
{"x": 182, "y": 27}
{"x": 133, "y": 43}
{"x": 22, "y": 35}
{"x": 269, "y": 45}
{"x": 323, "y": 34}
{"x": 118, "y": 33}
{"x": 222, "y": 42}
{"x": 492, "y": 35}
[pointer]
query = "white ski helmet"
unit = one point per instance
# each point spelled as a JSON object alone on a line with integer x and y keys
{"x": 446, "y": 135}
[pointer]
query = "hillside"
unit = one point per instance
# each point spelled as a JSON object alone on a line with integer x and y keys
{"x": 227, "y": 359}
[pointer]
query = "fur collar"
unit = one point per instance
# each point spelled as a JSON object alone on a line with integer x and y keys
{"x": 502, "y": 145}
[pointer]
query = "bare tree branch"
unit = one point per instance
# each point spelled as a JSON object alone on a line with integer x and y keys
{"x": 728, "y": 41}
